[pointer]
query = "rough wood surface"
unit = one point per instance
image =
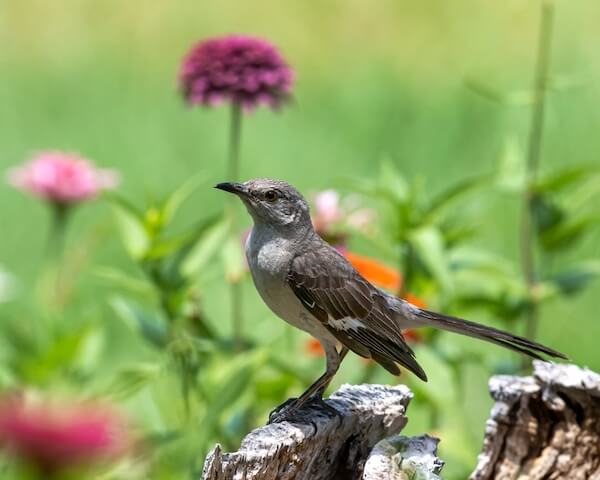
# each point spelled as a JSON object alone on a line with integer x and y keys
{"x": 546, "y": 426}
{"x": 318, "y": 446}
{"x": 404, "y": 458}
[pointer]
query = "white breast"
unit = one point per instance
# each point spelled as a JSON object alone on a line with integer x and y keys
{"x": 269, "y": 258}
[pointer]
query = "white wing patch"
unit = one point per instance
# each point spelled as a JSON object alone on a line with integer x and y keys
{"x": 309, "y": 304}
{"x": 346, "y": 323}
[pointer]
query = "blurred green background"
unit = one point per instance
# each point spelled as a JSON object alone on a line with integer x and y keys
{"x": 375, "y": 80}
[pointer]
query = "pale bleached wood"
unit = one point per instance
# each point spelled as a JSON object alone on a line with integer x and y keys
{"x": 404, "y": 458}
{"x": 546, "y": 426}
{"x": 318, "y": 446}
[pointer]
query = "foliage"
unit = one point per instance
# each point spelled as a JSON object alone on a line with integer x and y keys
{"x": 134, "y": 312}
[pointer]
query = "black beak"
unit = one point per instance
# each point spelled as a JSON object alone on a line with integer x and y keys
{"x": 236, "y": 188}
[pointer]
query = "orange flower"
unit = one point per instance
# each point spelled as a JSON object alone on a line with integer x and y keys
{"x": 375, "y": 271}
{"x": 314, "y": 348}
{"x": 416, "y": 301}
{"x": 413, "y": 336}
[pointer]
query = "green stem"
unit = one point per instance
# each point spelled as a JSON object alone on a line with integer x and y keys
{"x": 233, "y": 170}
{"x": 54, "y": 266}
{"x": 406, "y": 268}
{"x": 56, "y": 236}
{"x": 527, "y": 239}
{"x": 235, "y": 134}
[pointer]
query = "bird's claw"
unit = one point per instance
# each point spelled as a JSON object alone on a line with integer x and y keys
{"x": 289, "y": 409}
{"x": 280, "y": 413}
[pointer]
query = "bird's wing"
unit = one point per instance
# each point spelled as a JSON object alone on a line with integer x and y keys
{"x": 354, "y": 311}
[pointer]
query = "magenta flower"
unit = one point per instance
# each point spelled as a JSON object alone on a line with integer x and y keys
{"x": 243, "y": 70}
{"x": 57, "y": 437}
{"x": 62, "y": 178}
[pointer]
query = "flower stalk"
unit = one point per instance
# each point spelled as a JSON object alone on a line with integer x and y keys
{"x": 527, "y": 237}
{"x": 58, "y": 228}
{"x": 233, "y": 170}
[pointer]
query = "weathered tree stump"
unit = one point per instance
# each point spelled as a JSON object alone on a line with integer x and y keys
{"x": 319, "y": 445}
{"x": 546, "y": 426}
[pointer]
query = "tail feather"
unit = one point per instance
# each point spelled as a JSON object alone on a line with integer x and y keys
{"x": 490, "y": 334}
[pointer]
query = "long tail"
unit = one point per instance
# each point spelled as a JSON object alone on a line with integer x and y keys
{"x": 499, "y": 337}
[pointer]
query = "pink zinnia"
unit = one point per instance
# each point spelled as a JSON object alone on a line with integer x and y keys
{"x": 327, "y": 209}
{"x": 331, "y": 215}
{"x": 62, "y": 178}
{"x": 243, "y": 70}
{"x": 59, "y": 437}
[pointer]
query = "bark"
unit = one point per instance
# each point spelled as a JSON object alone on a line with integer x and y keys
{"x": 546, "y": 426}
{"x": 404, "y": 458}
{"x": 318, "y": 445}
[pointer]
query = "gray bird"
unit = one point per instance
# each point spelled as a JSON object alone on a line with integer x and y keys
{"x": 310, "y": 285}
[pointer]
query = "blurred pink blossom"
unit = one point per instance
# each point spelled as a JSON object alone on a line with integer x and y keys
{"x": 327, "y": 208}
{"x": 55, "y": 437}
{"x": 331, "y": 214}
{"x": 244, "y": 70}
{"x": 62, "y": 178}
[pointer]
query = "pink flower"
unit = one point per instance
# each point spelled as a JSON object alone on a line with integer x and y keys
{"x": 55, "y": 437}
{"x": 243, "y": 70}
{"x": 327, "y": 207}
{"x": 331, "y": 215}
{"x": 62, "y": 178}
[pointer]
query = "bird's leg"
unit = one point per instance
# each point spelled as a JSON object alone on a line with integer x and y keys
{"x": 315, "y": 392}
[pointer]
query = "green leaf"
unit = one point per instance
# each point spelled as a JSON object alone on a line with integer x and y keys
{"x": 62, "y": 353}
{"x": 131, "y": 379}
{"x": 518, "y": 97}
{"x": 233, "y": 259}
{"x": 121, "y": 279}
{"x": 151, "y": 327}
{"x": 173, "y": 270}
{"x": 159, "y": 439}
{"x": 121, "y": 202}
{"x": 90, "y": 349}
{"x": 132, "y": 227}
{"x": 429, "y": 245}
{"x": 512, "y": 172}
{"x": 445, "y": 199}
{"x": 179, "y": 196}
{"x": 205, "y": 248}
{"x": 455, "y": 234}
{"x": 164, "y": 247}
{"x": 441, "y": 388}
{"x": 575, "y": 278}
{"x": 558, "y": 181}
{"x": 471, "y": 258}
{"x": 566, "y": 234}
{"x": 392, "y": 183}
{"x": 486, "y": 91}
{"x": 546, "y": 213}
{"x": 583, "y": 195}
{"x": 239, "y": 372}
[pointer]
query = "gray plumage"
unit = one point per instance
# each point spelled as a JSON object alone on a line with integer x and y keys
{"x": 312, "y": 286}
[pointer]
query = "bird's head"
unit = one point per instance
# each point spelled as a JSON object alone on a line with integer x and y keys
{"x": 272, "y": 202}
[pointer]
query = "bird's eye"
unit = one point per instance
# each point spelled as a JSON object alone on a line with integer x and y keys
{"x": 271, "y": 195}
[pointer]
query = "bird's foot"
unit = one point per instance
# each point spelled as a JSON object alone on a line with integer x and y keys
{"x": 283, "y": 412}
{"x": 322, "y": 404}
{"x": 289, "y": 410}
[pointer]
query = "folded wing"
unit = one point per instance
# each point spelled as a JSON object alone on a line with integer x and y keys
{"x": 354, "y": 311}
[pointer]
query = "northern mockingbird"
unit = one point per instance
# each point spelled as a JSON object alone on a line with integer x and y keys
{"x": 310, "y": 285}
